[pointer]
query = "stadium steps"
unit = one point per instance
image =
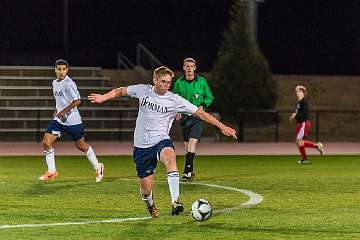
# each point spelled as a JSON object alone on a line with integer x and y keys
{"x": 46, "y": 90}
{"x": 48, "y": 71}
{"x": 46, "y": 81}
{"x": 86, "y": 112}
{"x": 96, "y": 123}
{"x": 27, "y": 104}
{"x": 49, "y": 101}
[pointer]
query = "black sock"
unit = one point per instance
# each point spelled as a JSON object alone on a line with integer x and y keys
{"x": 189, "y": 165}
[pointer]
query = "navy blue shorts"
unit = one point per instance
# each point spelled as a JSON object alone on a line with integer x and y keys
{"x": 146, "y": 158}
{"x": 76, "y": 132}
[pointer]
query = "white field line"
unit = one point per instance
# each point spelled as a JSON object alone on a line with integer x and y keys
{"x": 115, "y": 220}
{"x": 254, "y": 199}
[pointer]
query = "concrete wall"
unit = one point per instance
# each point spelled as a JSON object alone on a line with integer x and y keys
{"x": 324, "y": 92}
{"x": 334, "y": 93}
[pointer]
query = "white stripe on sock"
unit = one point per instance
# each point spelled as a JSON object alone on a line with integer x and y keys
{"x": 147, "y": 199}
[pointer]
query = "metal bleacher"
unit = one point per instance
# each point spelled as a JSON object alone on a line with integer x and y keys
{"x": 27, "y": 104}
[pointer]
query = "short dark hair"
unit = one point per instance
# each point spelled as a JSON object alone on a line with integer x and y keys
{"x": 61, "y": 62}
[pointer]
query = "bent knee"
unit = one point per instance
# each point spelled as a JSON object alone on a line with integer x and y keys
{"x": 82, "y": 146}
{"x": 145, "y": 191}
{"x": 167, "y": 152}
{"x": 46, "y": 144}
{"x": 299, "y": 142}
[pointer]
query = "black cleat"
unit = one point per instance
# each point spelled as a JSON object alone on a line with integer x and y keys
{"x": 177, "y": 208}
{"x": 154, "y": 212}
{"x": 188, "y": 177}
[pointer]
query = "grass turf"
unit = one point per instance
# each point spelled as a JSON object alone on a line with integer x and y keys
{"x": 317, "y": 201}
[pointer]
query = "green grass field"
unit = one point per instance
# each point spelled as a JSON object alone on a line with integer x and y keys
{"x": 317, "y": 201}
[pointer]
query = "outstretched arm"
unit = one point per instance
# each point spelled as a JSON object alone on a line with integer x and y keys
{"x": 117, "y": 92}
{"x": 227, "y": 131}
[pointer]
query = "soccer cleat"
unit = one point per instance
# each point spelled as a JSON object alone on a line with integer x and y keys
{"x": 304, "y": 161}
{"x": 154, "y": 212}
{"x": 320, "y": 148}
{"x": 188, "y": 177}
{"x": 99, "y": 173}
{"x": 177, "y": 208}
{"x": 48, "y": 176}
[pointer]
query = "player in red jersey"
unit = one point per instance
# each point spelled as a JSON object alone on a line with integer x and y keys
{"x": 303, "y": 125}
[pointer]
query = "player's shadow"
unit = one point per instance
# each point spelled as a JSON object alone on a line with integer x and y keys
{"x": 53, "y": 187}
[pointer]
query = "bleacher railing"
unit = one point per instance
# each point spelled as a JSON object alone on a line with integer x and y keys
{"x": 145, "y": 58}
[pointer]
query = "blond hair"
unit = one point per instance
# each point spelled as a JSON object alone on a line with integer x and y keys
{"x": 301, "y": 88}
{"x": 189, "y": 60}
{"x": 162, "y": 71}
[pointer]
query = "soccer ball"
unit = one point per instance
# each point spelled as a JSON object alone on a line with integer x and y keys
{"x": 201, "y": 210}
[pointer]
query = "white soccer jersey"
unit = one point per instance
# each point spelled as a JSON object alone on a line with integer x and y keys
{"x": 156, "y": 114}
{"x": 65, "y": 92}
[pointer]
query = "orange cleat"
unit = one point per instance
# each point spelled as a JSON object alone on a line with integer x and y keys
{"x": 48, "y": 176}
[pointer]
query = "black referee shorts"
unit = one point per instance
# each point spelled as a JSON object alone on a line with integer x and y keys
{"x": 191, "y": 127}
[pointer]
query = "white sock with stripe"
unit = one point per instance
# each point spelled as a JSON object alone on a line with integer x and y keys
{"x": 50, "y": 159}
{"x": 90, "y": 154}
{"x": 147, "y": 199}
{"x": 173, "y": 181}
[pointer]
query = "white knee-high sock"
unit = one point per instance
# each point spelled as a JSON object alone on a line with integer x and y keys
{"x": 90, "y": 154}
{"x": 50, "y": 159}
{"x": 173, "y": 181}
{"x": 147, "y": 199}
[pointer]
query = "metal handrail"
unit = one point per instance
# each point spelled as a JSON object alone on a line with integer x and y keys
{"x": 124, "y": 62}
{"x": 140, "y": 47}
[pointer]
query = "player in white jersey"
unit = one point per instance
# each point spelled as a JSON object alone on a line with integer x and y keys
{"x": 157, "y": 110}
{"x": 66, "y": 118}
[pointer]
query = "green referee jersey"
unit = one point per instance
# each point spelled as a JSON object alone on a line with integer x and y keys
{"x": 196, "y": 91}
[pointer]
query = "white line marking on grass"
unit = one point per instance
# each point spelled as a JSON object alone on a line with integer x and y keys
{"x": 115, "y": 220}
{"x": 254, "y": 199}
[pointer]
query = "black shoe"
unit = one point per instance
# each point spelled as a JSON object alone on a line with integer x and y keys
{"x": 154, "y": 212}
{"x": 177, "y": 208}
{"x": 302, "y": 161}
{"x": 188, "y": 177}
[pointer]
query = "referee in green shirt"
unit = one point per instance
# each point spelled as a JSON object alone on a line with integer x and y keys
{"x": 195, "y": 89}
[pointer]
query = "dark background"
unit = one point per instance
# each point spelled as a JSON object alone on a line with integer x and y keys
{"x": 297, "y": 36}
